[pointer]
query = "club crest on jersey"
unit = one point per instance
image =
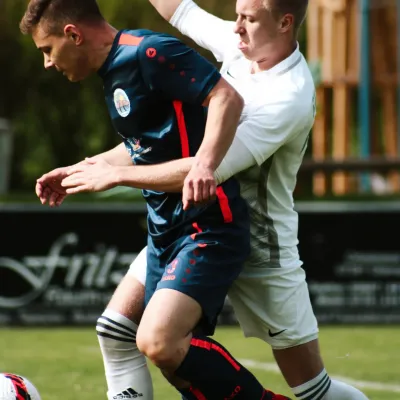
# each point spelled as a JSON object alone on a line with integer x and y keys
{"x": 122, "y": 103}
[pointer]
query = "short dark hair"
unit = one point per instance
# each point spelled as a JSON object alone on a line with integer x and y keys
{"x": 57, "y": 13}
{"x": 298, "y": 8}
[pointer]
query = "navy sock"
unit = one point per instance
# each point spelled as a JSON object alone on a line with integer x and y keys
{"x": 209, "y": 367}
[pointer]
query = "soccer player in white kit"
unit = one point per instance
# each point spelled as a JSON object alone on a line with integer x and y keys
{"x": 261, "y": 59}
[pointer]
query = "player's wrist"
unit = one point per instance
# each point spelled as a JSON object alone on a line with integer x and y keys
{"x": 118, "y": 176}
{"x": 205, "y": 162}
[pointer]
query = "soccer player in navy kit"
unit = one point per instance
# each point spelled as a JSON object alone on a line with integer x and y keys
{"x": 155, "y": 89}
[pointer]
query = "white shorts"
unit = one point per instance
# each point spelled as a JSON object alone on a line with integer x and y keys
{"x": 272, "y": 304}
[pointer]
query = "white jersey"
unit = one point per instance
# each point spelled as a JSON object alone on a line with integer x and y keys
{"x": 277, "y": 118}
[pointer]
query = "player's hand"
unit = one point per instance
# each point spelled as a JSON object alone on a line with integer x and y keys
{"x": 93, "y": 176}
{"x": 48, "y": 187}
{"x": 199, "y": 186}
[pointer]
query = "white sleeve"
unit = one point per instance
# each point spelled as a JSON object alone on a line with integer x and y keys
{"x": 260, "y": 134}
{"x": 269, "y": 127}
{"x": 208, "y": 31}
{"x": 237, "y": 159}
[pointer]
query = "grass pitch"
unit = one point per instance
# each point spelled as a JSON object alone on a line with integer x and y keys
{"x": 65, "y": 364}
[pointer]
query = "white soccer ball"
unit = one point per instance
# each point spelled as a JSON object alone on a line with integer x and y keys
{"x": 16, "y": 387}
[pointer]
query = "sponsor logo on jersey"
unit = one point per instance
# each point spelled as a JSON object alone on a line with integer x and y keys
{"x": 135, "y": 149}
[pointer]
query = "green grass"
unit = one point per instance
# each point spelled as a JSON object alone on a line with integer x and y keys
{"x": 65, "y": 364}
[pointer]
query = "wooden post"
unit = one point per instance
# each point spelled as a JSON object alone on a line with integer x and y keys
{"x": 341, "y": 101}
{"x": 321, "y": 127}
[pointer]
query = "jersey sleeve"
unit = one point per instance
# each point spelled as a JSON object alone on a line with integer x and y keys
{"x": 237, "y": 159}
{"x": 175, "y": 71}
{"x": 264, "y": 130}
{"x": 259, "y": 135}
{"x": 207, "y": 30}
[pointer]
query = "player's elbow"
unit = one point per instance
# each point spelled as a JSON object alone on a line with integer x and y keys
{"x": 235, "y": 100}
{"x": 224, "y": 95}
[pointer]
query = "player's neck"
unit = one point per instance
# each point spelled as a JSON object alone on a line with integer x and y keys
{"x": 102, "y": 39}
{"x": 276, "y": 53}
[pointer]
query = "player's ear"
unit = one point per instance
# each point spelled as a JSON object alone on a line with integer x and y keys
{"x": 286, "y": 22}
{"x": 73, "y": 33}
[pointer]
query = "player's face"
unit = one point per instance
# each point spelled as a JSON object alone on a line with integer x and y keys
{"x": 256, "y": 27}
{"x": 64, "y": 52}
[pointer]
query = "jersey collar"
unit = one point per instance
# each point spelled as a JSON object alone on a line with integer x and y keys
{"x": 286, "y": 65}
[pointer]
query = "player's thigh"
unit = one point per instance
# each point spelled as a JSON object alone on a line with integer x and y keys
{"x": 169, "y": 317}
{"x": 128, "y": 298}
{"x": 202, "y": 273}
{"x": 273, "y": 304}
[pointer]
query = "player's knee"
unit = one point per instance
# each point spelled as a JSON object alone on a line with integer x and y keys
{"x": 155, "y": 344}
{"x": 156, "y": 349}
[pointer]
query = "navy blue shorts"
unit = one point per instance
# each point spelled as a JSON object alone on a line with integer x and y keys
{"x": 201, "y": 264}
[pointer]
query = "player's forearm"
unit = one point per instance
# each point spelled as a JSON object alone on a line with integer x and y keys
{"x": 166, "y": 177}
{"x": 117, "y": 156}
{"x": 166, "y": 8}
{"x": 224, "y": 110}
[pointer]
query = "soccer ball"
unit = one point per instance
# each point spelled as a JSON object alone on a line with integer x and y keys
{"x": 15, "y": 387}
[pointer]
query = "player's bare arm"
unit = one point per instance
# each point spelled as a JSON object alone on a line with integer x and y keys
{"x": 224, "y": 109}
{"x": 165, "y": 177}
{"x": 166, "y": 8}
{"x": 205, "y": 29}
{"x": 49, "y": 187}
{"x": 116, "y": 156}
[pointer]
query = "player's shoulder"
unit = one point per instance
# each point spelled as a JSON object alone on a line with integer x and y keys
{"x": 293, "y": 89}
{"x": 281, "y": 104}
{"x": 152, "y": 42}
{"x": 143, "y": 44}
{"x": 144, "y": 37}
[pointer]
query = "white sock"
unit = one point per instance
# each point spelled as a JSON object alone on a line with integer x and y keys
{"x": 323, "y": 388}
{"x": 125, "y": 366}
{"x": 343, "y": 391}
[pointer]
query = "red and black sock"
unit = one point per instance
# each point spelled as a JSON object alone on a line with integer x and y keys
{"x": 216, "y": 375}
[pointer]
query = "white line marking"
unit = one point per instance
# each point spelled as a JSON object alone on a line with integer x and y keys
{"x": 380, "y": 386}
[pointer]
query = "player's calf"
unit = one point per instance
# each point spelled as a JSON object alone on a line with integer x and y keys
{"x": 304, "y": 371}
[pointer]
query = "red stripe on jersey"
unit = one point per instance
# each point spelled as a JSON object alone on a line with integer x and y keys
{"x": 129, "y": 40}
{"x": 182, "y": 128}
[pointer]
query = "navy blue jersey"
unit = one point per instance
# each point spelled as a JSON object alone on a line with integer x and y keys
{"x": 155, "y": 87}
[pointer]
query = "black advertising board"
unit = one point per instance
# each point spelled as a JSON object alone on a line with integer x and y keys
{"x": 351, "y": 253}
{"x": 60, "y": 267}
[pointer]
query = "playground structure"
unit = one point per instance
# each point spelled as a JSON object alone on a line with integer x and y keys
{"x": 355, "y": 44}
